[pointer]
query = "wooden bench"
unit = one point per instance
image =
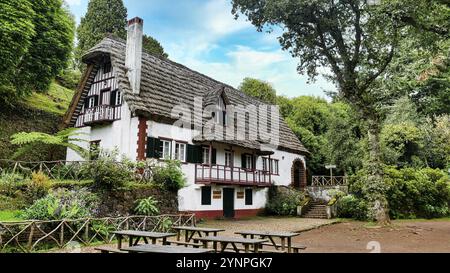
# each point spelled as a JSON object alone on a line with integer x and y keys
{"x": 295, "y": 248}
{"x": 108, "y": 250}
{"x": 180, "y": 243}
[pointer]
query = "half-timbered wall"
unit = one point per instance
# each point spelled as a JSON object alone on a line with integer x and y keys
{"x": 103, "y": 101}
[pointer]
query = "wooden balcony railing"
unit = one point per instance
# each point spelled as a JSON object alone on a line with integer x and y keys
{"x": 223, "y": 175}
{"x": 99, "y": 115}
{"x": 328, "y": 181}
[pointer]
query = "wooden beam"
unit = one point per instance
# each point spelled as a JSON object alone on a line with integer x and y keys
{"x": 76, "y": 98}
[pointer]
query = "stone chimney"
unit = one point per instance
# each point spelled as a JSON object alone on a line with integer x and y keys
{"x": 133, "y": 59}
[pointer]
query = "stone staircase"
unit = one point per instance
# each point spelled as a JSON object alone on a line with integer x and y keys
{"x": 316, "y": 210}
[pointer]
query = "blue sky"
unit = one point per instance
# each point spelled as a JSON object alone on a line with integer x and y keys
{"x": 203, "y": 35}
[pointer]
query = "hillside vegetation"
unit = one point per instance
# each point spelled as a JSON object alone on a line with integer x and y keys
{"x": 41, "y": 112}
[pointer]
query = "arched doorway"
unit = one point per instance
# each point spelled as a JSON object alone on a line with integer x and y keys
{"x": 299, "y": 174}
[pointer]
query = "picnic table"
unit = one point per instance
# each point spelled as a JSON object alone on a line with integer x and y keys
{"x": 190, "y": 232}
{"x": 135, "y": 236}
{"x": 254, "y": 244}
{"x": 286, "y": 238}
{"x": 165, "y": 249}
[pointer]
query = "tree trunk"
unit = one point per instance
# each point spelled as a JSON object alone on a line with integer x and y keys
{"x": 375, "y": 187}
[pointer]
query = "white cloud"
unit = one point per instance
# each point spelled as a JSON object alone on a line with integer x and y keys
{"x": 275, "y": 67}
{"x": 219, "y": 20}
{"x": 247, "y": 59}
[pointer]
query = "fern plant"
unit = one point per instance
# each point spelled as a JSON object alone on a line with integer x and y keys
{"x": 65, "y": 138}
{"x": 147, "y": 207}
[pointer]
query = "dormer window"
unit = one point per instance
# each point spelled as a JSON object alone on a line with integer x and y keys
{"x": 221, "y": 116}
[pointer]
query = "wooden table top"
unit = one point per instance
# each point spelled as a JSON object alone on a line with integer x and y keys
{"x": 136, "y": 233}
{"x": 165, "y": 249}
{"x": 271, "y": 234}
{"x": 199, "y": 229}
{"x": 221, "y": 239}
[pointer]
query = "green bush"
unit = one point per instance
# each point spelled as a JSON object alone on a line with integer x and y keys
{"x": 39, "y": 186}
{"x": 352, "y": 207}
{"x": 169, "y": 176}
{"x": 166, "y": 224}
{"x": 410, "y": 192}
{"x": 107, "y": 173}
{"x": 63, "y": 205}
{"x": 10, "y": 183}
{"x": 416, "y": 193}
{"x": 283, "y": 202}
{"x": 13, "y": 203}
{"x": 147, "y": 207}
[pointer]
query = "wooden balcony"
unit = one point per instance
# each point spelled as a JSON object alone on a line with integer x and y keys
{"x": 223, "y": 175}
{"x": 103, "y": 114}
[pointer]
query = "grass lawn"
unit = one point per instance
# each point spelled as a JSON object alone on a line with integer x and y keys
{"x": 9, "y": 216}
{"x": 55, "y": 101}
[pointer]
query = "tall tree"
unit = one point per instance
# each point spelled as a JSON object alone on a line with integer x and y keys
{"x": 153, "y": 46}
{"x": 16, "y": 32}
{"x": 357, "y": 42}
{"x": 259, "y": 89}
{"x": 102, "y": 17}
{"x": 36, "y": 41}
{"x": 51, "y": 46}
{"x": 105, "y": 17}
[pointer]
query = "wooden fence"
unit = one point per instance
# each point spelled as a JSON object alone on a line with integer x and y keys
{"x": 66, "y": 170}
{"x": 31, "y": 236}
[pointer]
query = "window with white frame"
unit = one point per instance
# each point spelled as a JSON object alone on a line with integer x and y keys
{"x": 91, "y": 102}
{"x": 249, "y": 162}
{"x": 206, "y": 156}
{"x": 118, "y": 98}
{"x": 180, "y": 151}
{"x": 166, "y": 149}
{"x": 265, "y": 162}
{"x": 228, "y": 159}
{"x": 275, "y": 166}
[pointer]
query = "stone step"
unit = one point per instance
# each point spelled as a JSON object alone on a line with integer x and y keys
{"x": 315, "y": 217}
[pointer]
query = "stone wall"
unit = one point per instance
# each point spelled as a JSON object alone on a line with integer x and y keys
{"x": 322, "y": 194}
{"x": 122, "y": 203}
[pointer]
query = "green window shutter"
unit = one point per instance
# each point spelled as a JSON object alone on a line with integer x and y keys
{"x": 96, "y": 103}
{"x": 198, "y": 154}
{"x": 113, "y": 97}
{"x": 248, "y": 197}
{"x": 194, "y": 154}
{"x": 206, "y": 196}
{"x": 244, "y": 161}
{"x": 154, "y": 148}
{"x": 214, "y": 157}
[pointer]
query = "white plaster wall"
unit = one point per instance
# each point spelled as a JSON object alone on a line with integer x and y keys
{"x": 121, "y": 134}
{"x": 189, "y": 199}
{"x": 156, "y": 130}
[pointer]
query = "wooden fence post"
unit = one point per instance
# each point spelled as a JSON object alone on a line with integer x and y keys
{"x": 61, "y": 235}
{"x": 30, "y": 237}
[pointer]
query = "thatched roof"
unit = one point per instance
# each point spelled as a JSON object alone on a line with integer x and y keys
{"x": 166, "y": 84}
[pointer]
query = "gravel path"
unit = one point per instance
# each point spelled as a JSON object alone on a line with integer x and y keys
{"x": 267, "y": 224}
{"x": 400, "y": 237}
